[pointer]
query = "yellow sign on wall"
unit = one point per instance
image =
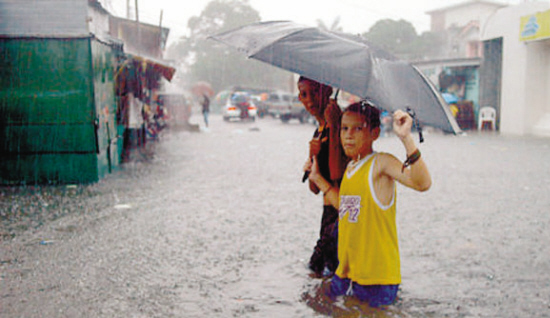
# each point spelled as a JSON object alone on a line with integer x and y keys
{"x": 535, "y": 26}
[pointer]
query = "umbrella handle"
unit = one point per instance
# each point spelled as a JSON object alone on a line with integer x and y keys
{"x": 416, "y": 124}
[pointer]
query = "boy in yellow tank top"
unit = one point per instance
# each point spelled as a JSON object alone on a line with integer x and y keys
{"x": 368, "y": 252}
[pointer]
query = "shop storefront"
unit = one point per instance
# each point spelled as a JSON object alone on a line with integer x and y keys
{"x": 458, "y": 82}
{"x": 138, "y": 81}
{"x": 515, "y": 76}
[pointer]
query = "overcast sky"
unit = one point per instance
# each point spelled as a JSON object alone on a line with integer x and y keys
{"x": 356, "y": 16}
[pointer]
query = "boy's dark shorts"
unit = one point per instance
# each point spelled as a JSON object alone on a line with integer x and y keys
{"x": 375, "y": 295}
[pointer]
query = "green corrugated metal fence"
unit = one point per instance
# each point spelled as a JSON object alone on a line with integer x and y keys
{"x": 56, "y": 101}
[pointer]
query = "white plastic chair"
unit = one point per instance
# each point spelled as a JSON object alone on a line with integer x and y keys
{"x": 487, "y": 114}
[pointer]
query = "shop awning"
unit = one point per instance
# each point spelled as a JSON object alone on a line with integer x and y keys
{"x": 156, "y": 66}
{"x": 146, "y": 64}
{"x": 137, "y": 72}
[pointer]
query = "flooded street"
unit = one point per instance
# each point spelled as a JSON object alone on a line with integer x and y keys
{"x": 218, "y": 224}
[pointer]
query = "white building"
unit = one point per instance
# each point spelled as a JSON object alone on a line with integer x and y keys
{"x": 460, "y": 23}
{"x": 460, "y": 14}
{"x": 516, "y": 80}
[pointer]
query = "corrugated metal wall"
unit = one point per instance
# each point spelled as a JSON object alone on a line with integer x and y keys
{"x": 47, "y": 114}
{"x": 103, "y": 63}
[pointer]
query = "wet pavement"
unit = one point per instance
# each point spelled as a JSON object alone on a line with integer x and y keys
{"x": 218, "y": 224}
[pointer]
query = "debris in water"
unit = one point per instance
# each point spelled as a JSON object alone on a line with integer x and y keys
{"x": 122, "y": 206}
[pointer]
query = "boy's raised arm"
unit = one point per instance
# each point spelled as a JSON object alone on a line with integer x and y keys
{"x": 414, "y": 172}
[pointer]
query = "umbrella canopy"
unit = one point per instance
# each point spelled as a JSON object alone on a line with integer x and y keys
{"x": 346, "y": 62}
{"x": 202, "y": 88}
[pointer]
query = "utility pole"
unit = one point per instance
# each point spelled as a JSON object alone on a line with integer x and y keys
{"x": 160, "y": 35}
{"x": 138, "y": 29}
{"x": 137, "y": 11}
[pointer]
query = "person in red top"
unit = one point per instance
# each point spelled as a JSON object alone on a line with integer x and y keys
{"x": 325, "y": 147}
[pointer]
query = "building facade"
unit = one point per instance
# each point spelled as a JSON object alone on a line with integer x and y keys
{"x": 520, "y": 36}
{"x": 457, "y": 70}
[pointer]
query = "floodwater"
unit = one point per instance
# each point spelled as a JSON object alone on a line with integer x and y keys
{"x": 218, "y": 224}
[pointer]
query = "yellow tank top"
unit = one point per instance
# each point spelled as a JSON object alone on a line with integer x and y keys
{"x": 368, "y": 249}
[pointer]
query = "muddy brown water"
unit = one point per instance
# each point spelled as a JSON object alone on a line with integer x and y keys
{"x": 218, "y": 224}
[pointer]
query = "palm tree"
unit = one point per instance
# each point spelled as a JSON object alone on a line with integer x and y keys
{"x": 335, "y": 26}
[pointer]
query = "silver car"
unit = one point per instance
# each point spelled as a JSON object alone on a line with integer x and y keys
{"x": 279, "y": 103}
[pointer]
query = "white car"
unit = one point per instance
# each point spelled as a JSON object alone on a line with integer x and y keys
{"x": 279, "y": 103}
{"x": 239, "y": 105}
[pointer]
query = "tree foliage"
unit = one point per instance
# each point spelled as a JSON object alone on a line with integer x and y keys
{"x": 397, "y": 37}
{"x": 431, "y": 45}
{"x": 401, "y": 39}
{"x": 207, "y": 60}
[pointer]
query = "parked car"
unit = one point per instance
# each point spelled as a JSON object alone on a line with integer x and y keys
{"x": 297, "y": 111}
{"x": 278, "y": 103}
{"x": 259, "y": 96}
{"x": 286, "y": 106}
{"x": 239, "y": 105}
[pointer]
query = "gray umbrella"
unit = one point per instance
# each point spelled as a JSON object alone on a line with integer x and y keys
{"x": 344, "y": 61}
